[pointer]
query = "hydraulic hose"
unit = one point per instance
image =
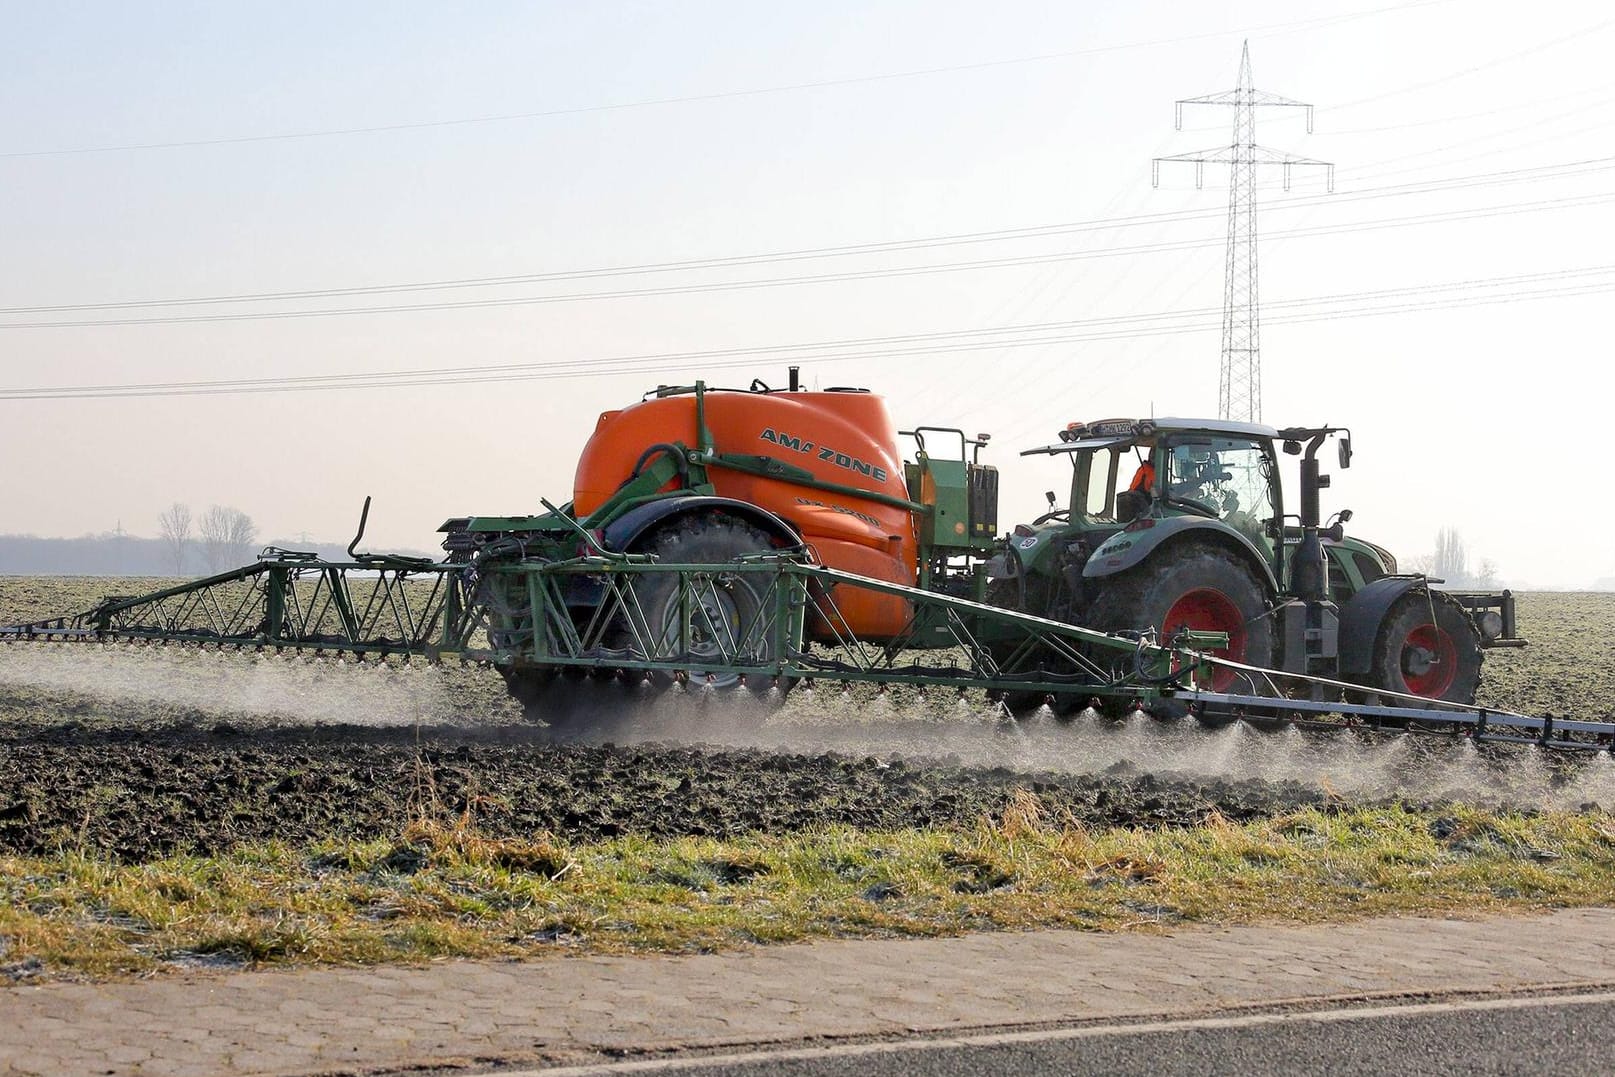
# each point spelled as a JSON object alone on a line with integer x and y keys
{"x": 661, "y": 447}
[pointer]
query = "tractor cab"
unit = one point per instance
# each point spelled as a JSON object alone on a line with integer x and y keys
{"x": 1130, "y": 477}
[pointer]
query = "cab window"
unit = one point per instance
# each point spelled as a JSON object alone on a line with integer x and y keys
{"x": 1096, "y": 482}
{"x": 1229, "y": 477}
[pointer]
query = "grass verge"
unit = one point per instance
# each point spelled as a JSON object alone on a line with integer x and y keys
{"x": 444, "y": 890}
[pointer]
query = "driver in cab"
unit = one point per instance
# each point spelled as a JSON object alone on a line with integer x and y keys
{"x": 1133, "y": 501}
{"x": 1144, "y": 478}
{"x": 1191, "y": 470}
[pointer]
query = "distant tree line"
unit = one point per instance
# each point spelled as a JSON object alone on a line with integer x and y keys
{"x": 1451, "y": 563}
{"x": 224, "y": 537}
{"x": 221, "y": 538}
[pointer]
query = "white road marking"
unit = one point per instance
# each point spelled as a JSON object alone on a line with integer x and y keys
{"x": 1001, "y": 1039}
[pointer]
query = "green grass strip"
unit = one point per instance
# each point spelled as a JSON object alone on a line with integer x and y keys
{"x": 445, "y": 890}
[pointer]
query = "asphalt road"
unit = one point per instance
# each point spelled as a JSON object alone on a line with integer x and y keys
{"x": 1559, "y": 1035}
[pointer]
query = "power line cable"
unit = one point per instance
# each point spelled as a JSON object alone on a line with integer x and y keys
{"x": 1482, "y": 115}
{"x": 1488, "y": 136}
{"x": 824, "y": 278}
{"x": 1102, "y": 224}
{"x": 1438, "y": 295}
{"x": 1322, "y": 20}
{"x": 1475, "y": 69}
{"x": 1490, "y": 154}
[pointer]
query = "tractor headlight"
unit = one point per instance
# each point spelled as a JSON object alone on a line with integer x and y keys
{"x": 1490, "y": 623}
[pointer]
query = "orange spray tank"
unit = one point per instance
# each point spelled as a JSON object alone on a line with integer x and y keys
{"x": 842, "y": 438}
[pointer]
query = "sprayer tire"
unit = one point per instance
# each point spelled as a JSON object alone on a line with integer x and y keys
{"x": 1006, "y": 595}
{"x": 1406, "y": 640}
{"x": 1197, "y": 585}
{"x": 558, "y": 698}
{"x": 731, "y": 602}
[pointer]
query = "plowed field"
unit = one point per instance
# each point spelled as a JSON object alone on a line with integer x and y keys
{"x": 137, "y": 752}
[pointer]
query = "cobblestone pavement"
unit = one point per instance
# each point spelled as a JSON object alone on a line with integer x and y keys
{"x": 367, "y": 1020}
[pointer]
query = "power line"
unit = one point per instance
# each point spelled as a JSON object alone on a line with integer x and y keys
{"x": 1579, "y": 95}
{"x": 1557, "y": 283}
{"x": 716, "y": 96}
{"x": 1376, "y": 168}
{"x": 1441, "y": 121}
{"x": 1170, "y": 246}
{"x": 1478, "y": 68}
{"x": 1102, "y": 224}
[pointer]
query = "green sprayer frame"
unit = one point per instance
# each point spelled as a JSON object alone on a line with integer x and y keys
{"x": 515, "y": 614}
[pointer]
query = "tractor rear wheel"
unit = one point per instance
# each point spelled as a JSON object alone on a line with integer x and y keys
{"x": 1427, "y": 646}
{"x": 1194, "y": 586}
{"x": 724, "y": 615}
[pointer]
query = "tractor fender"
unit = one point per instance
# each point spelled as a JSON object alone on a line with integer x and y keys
{"x": 1361, "y": 617}
{"x": 1130, "y": 546}
{"x": 622, "y": 533}
{"x": 1026, "y": 555}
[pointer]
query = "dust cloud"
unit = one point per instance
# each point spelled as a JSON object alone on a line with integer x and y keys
{"x": 167, "y": 684}
{"x": 157, "y": 685}
{"x": 943, "y": 728}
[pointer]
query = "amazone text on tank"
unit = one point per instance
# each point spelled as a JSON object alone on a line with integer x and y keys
{"x": 839, "y": 459}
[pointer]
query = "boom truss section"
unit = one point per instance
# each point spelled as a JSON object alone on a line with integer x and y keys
{"x": 630, "y": 616}
{"x": 284, "y": 600}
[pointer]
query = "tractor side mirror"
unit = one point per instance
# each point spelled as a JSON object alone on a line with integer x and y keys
{"x": 1345, "y": 452}
{"x": 1292, "y": 448}
{"x": 1050, "y": 495}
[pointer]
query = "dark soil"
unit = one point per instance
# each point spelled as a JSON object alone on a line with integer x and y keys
{"x": 136, "y": 794}
{"x": 129, "y": 755}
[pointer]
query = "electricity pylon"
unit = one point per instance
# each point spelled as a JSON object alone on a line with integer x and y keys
{"x": 1240, "y": 387}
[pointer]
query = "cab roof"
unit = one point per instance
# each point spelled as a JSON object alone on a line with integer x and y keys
{"x": 1107, "y": 434}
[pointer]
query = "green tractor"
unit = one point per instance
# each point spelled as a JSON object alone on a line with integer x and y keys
{"x": 1177, "y": 524}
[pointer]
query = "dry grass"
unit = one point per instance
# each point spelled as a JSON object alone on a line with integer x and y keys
{"x": 444, "y": 889}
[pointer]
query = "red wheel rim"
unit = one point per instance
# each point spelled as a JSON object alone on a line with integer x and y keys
{"x": 1209, "y": 610}
{"x": 1429, "y": 661}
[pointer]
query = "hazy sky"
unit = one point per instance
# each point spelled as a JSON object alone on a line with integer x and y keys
{"x": 169, "y": 151}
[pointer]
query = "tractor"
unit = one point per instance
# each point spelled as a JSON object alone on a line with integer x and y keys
{"x": 1183, "y": 523}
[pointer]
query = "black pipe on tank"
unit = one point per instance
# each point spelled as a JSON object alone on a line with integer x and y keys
{"x": 796, "y": 379}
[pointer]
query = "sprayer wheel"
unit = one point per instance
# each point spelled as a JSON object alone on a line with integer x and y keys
{"x": 560, "y": 698}
{"x": 1007, "y": 594}
{"x": 725, "y": 612}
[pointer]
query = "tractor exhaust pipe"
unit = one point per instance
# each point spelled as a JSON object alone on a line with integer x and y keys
{"x": 1308, "y": 575}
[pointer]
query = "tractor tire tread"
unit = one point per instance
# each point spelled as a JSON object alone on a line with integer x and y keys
{"x": 1409, "y": 612}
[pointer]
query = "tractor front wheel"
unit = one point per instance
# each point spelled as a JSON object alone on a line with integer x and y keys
{"x": 1427, "y": 646}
